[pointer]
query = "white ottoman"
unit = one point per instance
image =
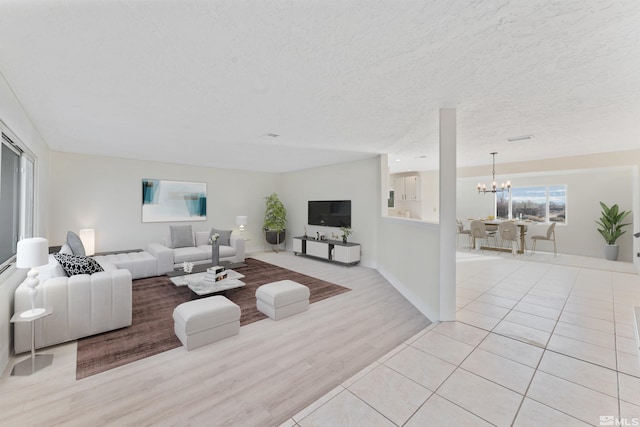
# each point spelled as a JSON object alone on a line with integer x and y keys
{"x": 282, "y": 299}
{"x": 206, "y": 320}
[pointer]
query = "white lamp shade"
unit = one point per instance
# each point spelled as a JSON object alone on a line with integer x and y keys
{"x": 88, "y": 237}
{"x": 32, "y": 252}
{"x": 241, "y": 220}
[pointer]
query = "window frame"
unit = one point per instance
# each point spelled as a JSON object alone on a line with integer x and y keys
{"x": 26, "y": 203}
{"x": 547, "y": 188}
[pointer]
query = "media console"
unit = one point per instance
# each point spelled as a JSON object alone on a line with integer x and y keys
{"x": 330, "y": 250}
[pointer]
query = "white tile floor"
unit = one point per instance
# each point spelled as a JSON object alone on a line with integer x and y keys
{"x": 548, "y": 342}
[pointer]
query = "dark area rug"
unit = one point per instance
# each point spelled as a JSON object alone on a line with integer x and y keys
{"x": 154, "y": 299}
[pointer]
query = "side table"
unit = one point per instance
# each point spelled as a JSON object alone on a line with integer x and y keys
{"x": 36, "y": 361}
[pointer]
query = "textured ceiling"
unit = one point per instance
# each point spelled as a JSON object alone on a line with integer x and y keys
{"x": 205, "y": 82}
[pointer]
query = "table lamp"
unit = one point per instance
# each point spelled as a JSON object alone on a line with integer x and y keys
{"x": 88, "y": 238}
{"x": 241, "y": 221}
{"x": 32, "y": 252}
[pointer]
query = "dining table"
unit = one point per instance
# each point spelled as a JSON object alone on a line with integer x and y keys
{"x": 522, "y": 228}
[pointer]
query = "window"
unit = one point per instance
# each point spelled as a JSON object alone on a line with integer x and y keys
{"x": 557, "y": 206}
{"x": 529, "y": 203}
{"x": 16, "y": 198}
{"x": 9, "y": 201}
{"x": 538, "y": 204}
{"x": 502, "y": 205}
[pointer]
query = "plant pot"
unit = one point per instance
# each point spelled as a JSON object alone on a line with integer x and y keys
{"x": 273, "y": 237}
{"x": 611, "y": 252}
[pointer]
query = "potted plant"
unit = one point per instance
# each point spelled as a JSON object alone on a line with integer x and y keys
{"x": 345, "y": 233}
{"x": 611, "y": 228}
{"x": 275, "y": 220}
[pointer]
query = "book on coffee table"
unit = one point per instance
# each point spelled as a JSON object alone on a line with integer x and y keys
{"x": 215, "y": 274}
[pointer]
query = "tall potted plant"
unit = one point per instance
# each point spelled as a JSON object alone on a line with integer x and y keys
{"x": 275, "y": 220}
{"x": 611, "y": 229}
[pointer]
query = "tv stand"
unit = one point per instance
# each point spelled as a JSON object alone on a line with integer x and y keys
{"x": 330, "y": 250}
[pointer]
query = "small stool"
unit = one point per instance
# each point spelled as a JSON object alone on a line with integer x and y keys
{"x": 206, "y": 320}
{"x": 282, "y": 299}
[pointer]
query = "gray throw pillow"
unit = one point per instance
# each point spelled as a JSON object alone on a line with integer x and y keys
{"x": 74, "y": 242}
{"x": 225, "y": 236}
{"x": 181, "y": 236}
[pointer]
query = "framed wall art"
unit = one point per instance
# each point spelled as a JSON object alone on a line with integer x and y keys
{"x": 164, "y": 201}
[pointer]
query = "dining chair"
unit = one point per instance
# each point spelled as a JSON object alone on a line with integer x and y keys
{"x": 479, "y": 231}
{"x": 508, "y": 232}
{"x": 462, "y": 231}
{"x": 550, "y": 236}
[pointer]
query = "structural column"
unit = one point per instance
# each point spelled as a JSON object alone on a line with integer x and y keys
{"x": 448, "y": 214}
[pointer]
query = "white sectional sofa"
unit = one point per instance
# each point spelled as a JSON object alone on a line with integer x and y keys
{"x": 141, "y": 264}
{"x": 170, "y": 258}
{"x": 83, "y": 305}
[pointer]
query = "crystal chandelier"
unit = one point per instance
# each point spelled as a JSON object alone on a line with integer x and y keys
{"x": 482, "y": 188}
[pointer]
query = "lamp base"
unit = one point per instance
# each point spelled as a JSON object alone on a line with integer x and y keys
{"x": 29, "y": 366}
{"x": 32, "y": 313}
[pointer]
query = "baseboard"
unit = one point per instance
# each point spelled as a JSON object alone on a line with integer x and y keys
{"x": 406, "y": 292}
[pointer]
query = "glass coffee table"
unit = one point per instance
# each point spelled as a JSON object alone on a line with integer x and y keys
{"x": 201, "y": 287}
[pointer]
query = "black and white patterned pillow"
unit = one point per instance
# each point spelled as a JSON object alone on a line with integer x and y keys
{"x": 74, "y": 264}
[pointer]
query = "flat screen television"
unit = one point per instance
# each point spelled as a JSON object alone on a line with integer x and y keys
{"x": 330, "y": 213}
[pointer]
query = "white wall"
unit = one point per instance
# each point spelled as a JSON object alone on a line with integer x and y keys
{"x": 356, "y": 181}
{"x": 470, "y": 204}
{"x": 585, "y": 189}
{"x": 18, "y": 123}
{"x": 105, "y": 193}
{"x": 409, "y": 254}
{"x": 409, "y": 258}
{"x": 636, "y": 218}
{"x": 406, "y": 252}
{"x": 430, "y": 195}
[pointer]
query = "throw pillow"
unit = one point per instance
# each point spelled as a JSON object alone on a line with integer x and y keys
{"x": 74, "y": 264}
{"x": 181, "y": 236}
{"x": 225, "y": 236}
{"x": 74, "y": 242}
{"x": 66, "y": 249}
{"x": 52, "y": 269}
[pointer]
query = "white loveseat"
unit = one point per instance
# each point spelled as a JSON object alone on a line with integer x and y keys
{"x": 170, "y": 258}
{"x": 82, "y": 305}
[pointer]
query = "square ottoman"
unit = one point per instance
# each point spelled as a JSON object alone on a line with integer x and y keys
{"x": 282, "y": 299}
{"x": 206, "y": 320}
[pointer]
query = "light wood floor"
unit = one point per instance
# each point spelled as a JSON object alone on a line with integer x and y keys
{"x": 261, "y": 377}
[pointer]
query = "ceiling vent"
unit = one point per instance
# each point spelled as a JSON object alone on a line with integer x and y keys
{"x": 520, "y": 138}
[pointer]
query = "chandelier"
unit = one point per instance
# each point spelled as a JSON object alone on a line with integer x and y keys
{"x": 482, "y": 188}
